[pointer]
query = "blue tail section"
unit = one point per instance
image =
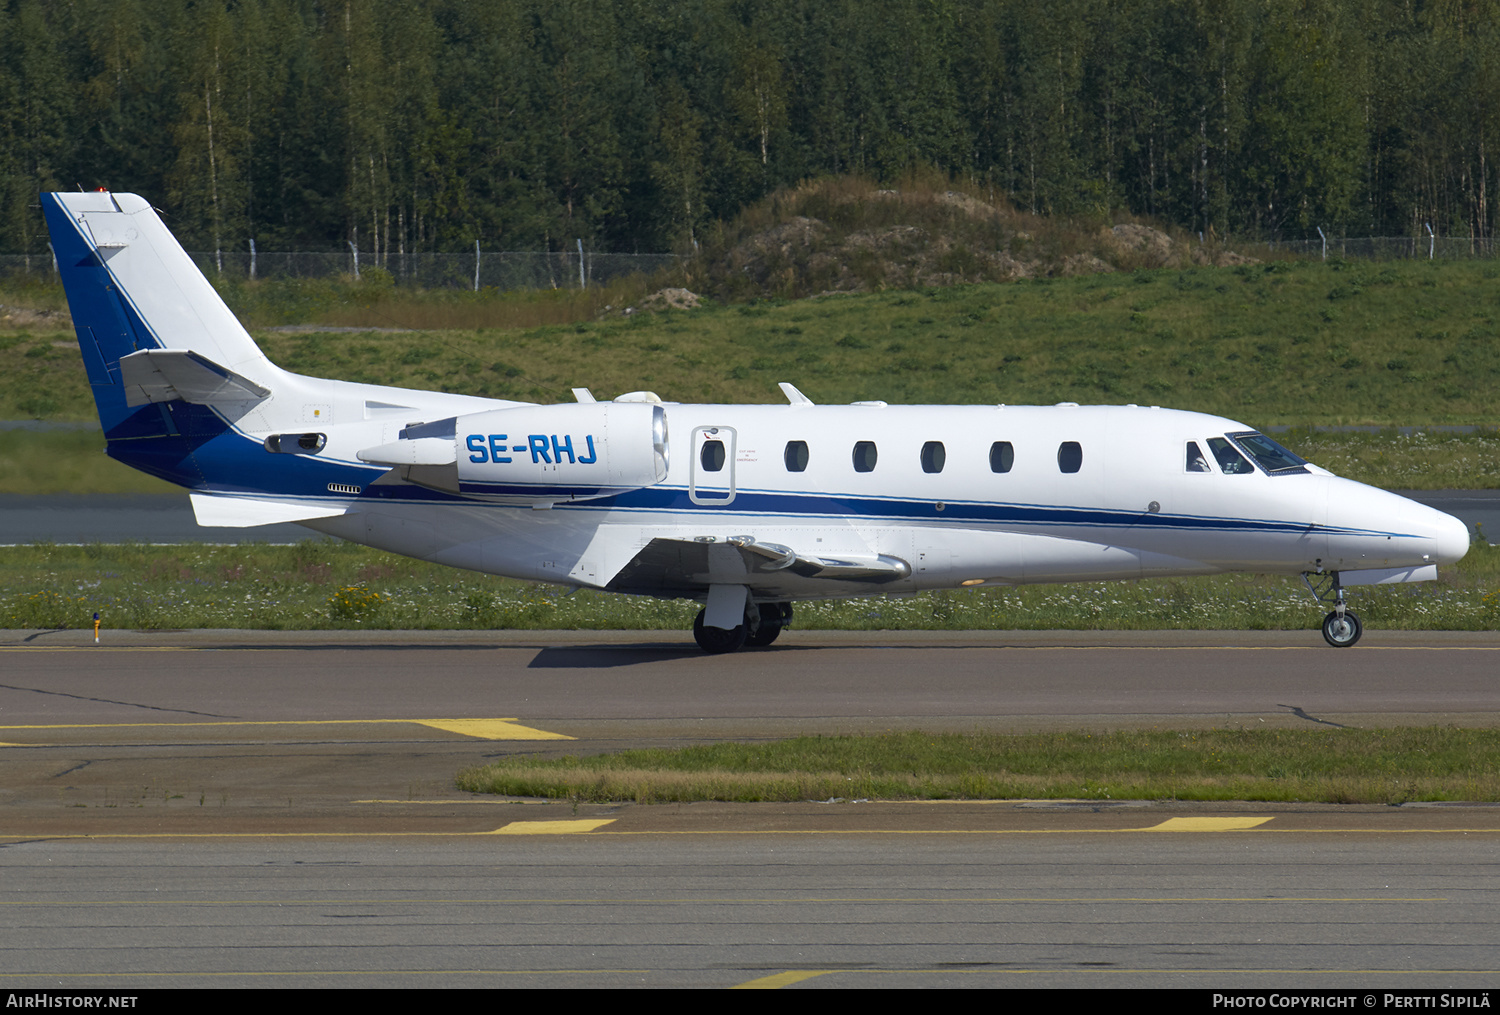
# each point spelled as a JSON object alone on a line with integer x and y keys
{"x": 107, "y": 326}
{"x": 112, "y": 253}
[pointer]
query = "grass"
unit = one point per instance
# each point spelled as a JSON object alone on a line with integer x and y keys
{"x": 340, "y": 586}
{"x": 1270, "y": 344}
{"x": 1282, "y": 343}
{"x": 67, "y": 461}
{"x": 1386, "y": 766}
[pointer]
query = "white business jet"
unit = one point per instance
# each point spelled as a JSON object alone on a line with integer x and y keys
{"x": 745, "y": 508}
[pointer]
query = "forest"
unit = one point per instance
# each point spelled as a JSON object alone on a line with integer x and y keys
{"x": 643, "y": 125}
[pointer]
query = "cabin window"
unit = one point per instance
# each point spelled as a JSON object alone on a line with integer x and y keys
{"x": 1269, "y": 455}
{"x": 1195, "y": 460}
{"x": 864, "y": 456}
{"x": 296, "y": 443}
{"x": 933, "y": 456}
{"x": 712, "y": 456}
{"x": 1069, "y": 456}
{"x": 796, "y": 456}
{"x": 1002, "y": 456}
{"x": 1231, "y": 462}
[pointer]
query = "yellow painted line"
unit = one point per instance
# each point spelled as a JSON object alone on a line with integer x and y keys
{"x": 262, "y": 974}
{"x": 95, "y": 648}
{"x": 506, "y": 830}
{"x": 1207, "y": 824}
{"x": 487, "y": 729}
{"x": 552, "y": 827}
{"x": 492, "y": 729}
{"x": 591, "y": 825}
{"x": 780, "y": 980}
{"x": 1039, "y": 831}
{"x": 736, "y": 900}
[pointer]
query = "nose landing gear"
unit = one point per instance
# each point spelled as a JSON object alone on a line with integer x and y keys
{"x": 1341, "y": 628}
{"x": 1342, "y": 631}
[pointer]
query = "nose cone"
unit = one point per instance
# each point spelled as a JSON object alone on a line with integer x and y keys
{"x": 1451, "y": 536}
{"x": 1373, "y": 528}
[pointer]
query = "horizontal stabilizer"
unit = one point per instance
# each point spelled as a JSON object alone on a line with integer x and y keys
{"x": 219, "y": 511}
{"x": 421, "y": 451}
{"x": 165, "y": 375}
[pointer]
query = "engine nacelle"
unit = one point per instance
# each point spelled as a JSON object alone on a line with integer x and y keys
{"x": 560, "y": 452}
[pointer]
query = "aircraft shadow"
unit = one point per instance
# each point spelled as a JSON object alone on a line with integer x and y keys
{"x": 596, "y": 657}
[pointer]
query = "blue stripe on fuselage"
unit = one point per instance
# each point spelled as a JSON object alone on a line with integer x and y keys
{"x": 236, "y": 463}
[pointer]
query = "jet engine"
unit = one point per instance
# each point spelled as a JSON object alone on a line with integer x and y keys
{"x": 535, "y": 454}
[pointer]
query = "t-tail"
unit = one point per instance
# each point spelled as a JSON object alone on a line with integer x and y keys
{"x": 183, "y": 391}
{"x": 161, "y": 349}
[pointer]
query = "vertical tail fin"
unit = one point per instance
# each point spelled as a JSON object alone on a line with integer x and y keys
{"x": 131, "y": 287}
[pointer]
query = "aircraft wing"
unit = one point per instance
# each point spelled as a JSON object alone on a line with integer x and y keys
{"x": 675, "y": 566}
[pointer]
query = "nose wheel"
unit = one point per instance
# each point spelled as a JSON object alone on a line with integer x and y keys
{"x": 1342, "y": 630}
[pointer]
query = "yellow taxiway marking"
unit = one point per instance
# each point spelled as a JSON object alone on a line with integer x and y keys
{"x": 1207, "y": 824}
{"x": 728, "y": 900}
{"x": 779, "y": 980}
{"x": 484, "y": 729}
{"x": 514, "y": 828}
{"x": 492, "y": 729}
{"x": 552, "y": 827}
{"x": 576, "y": 826}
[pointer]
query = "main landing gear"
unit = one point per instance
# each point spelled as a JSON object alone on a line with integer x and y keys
{"x": 1341, "y": 628}
{"x": 762, "y": 626}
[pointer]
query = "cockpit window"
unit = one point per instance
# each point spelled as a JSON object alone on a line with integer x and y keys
{"x": 1195, "y": 460}
{"x": 1231, "y": 462}
{"x": 1269, "y": 455}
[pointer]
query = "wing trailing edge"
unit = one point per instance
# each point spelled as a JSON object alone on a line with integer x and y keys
{"x": 690, "y": 565}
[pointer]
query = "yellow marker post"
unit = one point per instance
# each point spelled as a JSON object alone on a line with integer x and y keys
{"x": 96, "y": 627}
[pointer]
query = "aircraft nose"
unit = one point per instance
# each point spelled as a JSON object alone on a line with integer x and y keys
{"x": 1452, "y": 538}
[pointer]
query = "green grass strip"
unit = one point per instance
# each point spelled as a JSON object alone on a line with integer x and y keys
{"x": 339, "y": 586}
{"x": 1345, "y": 766}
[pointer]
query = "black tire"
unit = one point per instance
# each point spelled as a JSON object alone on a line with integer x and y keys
{"x": 771, "y": 623}
{"x": 1342, "y": 633}
{"x": 716, "y": 640}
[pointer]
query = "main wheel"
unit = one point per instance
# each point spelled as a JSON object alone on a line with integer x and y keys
{"x": 773, "y": 617}
{"x": 1341, "y": 632}
{"x": 716, "y": 640}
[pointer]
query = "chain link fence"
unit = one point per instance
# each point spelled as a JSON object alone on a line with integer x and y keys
{"x": 528, "y": 269}
{"x": 494, "y": 269}
{"x": 1389, "y": 248}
